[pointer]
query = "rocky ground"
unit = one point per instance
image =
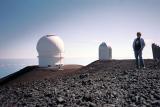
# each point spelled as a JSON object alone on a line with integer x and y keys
{"x": 113, "y": 83}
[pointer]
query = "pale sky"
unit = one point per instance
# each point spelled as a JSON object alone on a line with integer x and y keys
{"x": 82, "y": 24}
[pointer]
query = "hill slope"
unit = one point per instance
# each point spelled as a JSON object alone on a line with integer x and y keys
{"x": 114, "y": 83}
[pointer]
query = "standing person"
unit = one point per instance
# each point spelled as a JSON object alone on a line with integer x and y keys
{"x": 138, "y": 46}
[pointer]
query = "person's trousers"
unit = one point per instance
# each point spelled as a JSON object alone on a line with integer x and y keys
{"x": 139, "y": 59}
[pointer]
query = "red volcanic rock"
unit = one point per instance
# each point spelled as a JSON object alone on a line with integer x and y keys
{"x": 33, "y": 73}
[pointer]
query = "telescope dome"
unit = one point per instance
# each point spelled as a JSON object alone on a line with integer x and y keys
{"x": 50, "y": 49}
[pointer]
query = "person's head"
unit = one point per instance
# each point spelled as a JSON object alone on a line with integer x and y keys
{"x": 138, "y": 34}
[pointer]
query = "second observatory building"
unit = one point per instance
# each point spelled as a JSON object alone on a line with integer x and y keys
{"x": 105, "y": 52}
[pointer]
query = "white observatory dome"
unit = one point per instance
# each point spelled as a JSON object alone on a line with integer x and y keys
{"x": 105, "y": 52}
{"x": 50, "y": 50}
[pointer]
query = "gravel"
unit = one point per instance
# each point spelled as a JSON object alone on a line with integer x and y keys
{"x": 114, "y": 83}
